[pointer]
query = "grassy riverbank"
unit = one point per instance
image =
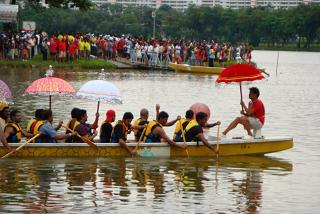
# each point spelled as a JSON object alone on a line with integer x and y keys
{"x": 39, "y": 63}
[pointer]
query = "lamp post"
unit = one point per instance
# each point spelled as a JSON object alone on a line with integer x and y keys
{"x": 154, "y": 23}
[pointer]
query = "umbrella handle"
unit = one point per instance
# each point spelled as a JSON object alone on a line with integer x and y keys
{"x": 241, "y": 94}
{"x": 98, "y": 106}
{"x": 95, "y": 123}
{"x": 50, "y": 102}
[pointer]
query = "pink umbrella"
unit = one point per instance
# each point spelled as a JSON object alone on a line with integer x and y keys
{"x": 5, "y": 93}
{"x": 49, "y": 86}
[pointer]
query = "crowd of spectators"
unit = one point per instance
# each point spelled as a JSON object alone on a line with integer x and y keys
{"x": 68, "y": 47}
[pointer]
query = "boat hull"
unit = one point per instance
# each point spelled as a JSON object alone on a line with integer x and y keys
{"x": 229, "y": 147}
{"x": 195, "y": 69}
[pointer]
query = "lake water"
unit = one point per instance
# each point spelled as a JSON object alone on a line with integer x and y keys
{"x": 284, "y": 182}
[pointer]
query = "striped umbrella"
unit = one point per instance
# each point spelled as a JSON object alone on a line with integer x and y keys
{"x": 49, "y": 86}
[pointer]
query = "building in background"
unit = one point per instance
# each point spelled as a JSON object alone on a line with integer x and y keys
{"x": 184, "y": 4}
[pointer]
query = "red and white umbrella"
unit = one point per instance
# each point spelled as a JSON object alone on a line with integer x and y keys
{"x": 49, "y": 86}
{"x": 5, "y": 92}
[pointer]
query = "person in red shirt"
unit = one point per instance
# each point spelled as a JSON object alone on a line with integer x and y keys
{"x": 62, "y": 50}
{"x": 53, "y": 48}
{"x": 253, "y": 115}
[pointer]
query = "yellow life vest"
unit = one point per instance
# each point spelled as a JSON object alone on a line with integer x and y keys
{"x": 15, "y": 137}
{"x": 178, "y": 127}
{"x": 35, "y": 126}
{"x": 149, "y": 128}
{"x": 72, "y": 124}
{"x": 136, "y": 123}
{"x": 30, "y": 123}
{"x": 191, "y": 124}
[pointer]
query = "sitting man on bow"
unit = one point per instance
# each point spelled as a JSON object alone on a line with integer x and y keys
{"x": 253, "y": 115}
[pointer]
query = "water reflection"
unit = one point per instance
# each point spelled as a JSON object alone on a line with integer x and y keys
{"x": 43, "y": 185}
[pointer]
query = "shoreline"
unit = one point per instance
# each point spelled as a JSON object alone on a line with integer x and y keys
{"x": 79, "y": 64}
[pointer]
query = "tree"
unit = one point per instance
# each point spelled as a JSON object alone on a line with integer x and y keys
{"x": 81, "y": 4}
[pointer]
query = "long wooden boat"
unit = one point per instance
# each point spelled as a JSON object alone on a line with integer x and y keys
{"x": 195, "y": 69}
{"x": 228, "y": 147}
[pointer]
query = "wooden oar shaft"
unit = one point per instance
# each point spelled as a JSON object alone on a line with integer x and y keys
{"x": 87, "y": 141}
{"x": 141, "y": 137}
{"x": 21, "y": 146}
{"x": 218, "y": 139}
{"x": 98, "y": 106}
{"x": 183, "y": 137}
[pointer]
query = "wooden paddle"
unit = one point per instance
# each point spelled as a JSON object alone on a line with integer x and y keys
{"x": 140, "y": 139}
{"x": 20, "y": 147}
{"x": 84, "y": 139}
{"x": 218, "y": 138}
{"x": 183, "y": 137}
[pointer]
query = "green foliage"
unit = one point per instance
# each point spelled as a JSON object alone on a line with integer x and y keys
{"x": 300, "y": 25}
{"x": 39, "y": 63}
{"x": 81, "y": 4}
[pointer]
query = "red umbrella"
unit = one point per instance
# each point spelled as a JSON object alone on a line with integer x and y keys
{"x": 49, "y": 86}
{"x": 239, "y": 73}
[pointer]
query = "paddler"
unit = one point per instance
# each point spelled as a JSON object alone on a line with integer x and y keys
{"x": 106, "y": 127}
{"x": 12, "y": 130}
{"x": 143, "y": 120}
{"x": 84, "y": 129}
{"x": 253, "y": 115}
{"x": 35, "y": 123}
{"x": 48, "y": 132}
{"x": 177, "y": 136}
{"x": 121, "y": 130}
{"x": 72, "y": 123}
{"x": 154, "y": 131}
{"x": 194, "y": 132}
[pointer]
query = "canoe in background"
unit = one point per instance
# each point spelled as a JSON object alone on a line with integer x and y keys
{"x": 195, "y": 69}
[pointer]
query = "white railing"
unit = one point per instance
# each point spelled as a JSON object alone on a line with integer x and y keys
{"x": 151, "y": 59}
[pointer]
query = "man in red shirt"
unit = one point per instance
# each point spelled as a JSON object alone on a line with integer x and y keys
{"x": 72, "y": 50}
{"x": 53, "y": 48}
{"x": 253, "y": 115}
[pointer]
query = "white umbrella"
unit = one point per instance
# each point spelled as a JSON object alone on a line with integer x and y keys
{"x": 100, "y": 90}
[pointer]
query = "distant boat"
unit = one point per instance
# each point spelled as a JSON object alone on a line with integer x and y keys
{"x": 195, "y": 69}
{"x": 227, "y": 147}
{"x": 186, "y": 68}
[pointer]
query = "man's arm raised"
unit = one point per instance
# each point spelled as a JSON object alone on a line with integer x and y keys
{"x": 171, "y": 123}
